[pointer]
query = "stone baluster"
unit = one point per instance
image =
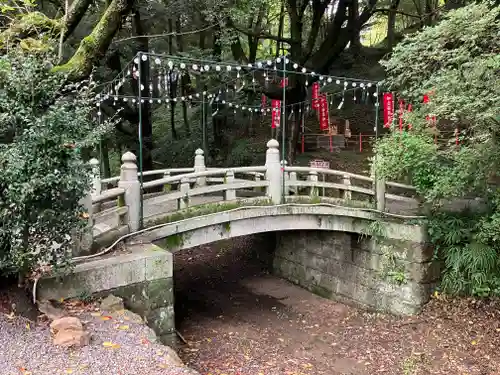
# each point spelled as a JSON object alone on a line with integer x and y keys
{"x": 380, "y": 193}
{"x": 199, "y": 166}
{"x": 283, "y": 164}
{"x": 166, "y": 187}
{"x": 293, "y": 178}
{"x": 83, "y": 240}
{"x": 96, "y": 176}
{"x": 230, "y": 194}
{"x": 273, "y": 172}
{"x": 257, "y": 179}
{"x": 346, "y": 180}
{"x": 130, "y": 182}
{"x": 313, "y": 177}
{"x": 184, "y": 189}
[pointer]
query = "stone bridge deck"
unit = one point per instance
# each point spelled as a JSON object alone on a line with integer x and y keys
{"x": 127, "y": 203}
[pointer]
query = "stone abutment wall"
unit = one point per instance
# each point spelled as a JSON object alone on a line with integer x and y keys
{"x": 393, "y": 276}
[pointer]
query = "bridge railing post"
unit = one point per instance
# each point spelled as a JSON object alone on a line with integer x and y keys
{"x": 130, "y": 182}
{"x": 283, "y": 164}
{"x": 257, "y": 179}
{"x": 96, "y": 176}
{"x": 184, "y": 189}
{"x": 199, "y": 166}
{"x": 83, "y": 240}
{"x": 166, "y": 187}
{"x": 230, "y": 194}
{"x": 273, "y": 171}
{"x": 293, "y": 178}
{"x": 313, "y": 177}
{"x": 380, "y": 193}
{"x": 346, "y": 180}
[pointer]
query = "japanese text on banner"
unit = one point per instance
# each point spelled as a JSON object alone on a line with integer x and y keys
{"x": 315, "y": 96}
{"x": 388, "y": 109}
{"x": 323, "y": 113}
{"x": 276, "y": 113}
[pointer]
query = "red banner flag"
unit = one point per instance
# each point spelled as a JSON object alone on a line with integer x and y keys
{"x": 323, "y": 113}
{"x": 263, "y": 102}
{"x": 315, "y": 96}
{"x": 388, "y": 109}
{"x": 276, "y": 113}
{"x": 284, "y": 83}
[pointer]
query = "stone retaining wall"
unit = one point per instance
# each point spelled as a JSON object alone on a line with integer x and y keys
{"x": 141, "y": 275}
{"x": 358, "y": 270}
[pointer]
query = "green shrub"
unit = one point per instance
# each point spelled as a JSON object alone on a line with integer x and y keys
{"x": 458, "y": 61}
{"x": 44, "y": 122}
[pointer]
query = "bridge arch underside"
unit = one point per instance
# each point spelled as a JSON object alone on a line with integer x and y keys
{"x": 326, "y": 249}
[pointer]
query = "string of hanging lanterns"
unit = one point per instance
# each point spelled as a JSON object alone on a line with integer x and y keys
{"x": 168, "y": 68}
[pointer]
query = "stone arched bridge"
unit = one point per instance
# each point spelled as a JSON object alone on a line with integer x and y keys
{"x": 341, "y": 235}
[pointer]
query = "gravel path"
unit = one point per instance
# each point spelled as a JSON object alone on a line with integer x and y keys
{"x": 120, "y": 345}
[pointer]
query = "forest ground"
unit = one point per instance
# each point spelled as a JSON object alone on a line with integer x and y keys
{"x": 239, "y": 319}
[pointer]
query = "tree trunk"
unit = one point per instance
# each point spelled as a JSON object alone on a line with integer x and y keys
{"x": 391, "y": 24}
{"x": 178, "y": 37}
{"x": 185, "y": 84}
{"x": 280, "y": 27}
{"x": 172, "y": 120}
{"x": 74, "y": 16}
{"x": 106, "y": 168}
{"x": 95, "y": 45}
{"x": 170, "y": 37}
{"x": 353, "y": 18}
{"x": 146, "y": 121}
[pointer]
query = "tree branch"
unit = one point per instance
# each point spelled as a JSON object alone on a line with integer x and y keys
{"x": 95, "y": 45}
{"x": 319, "y": 8}
{"x": 419, "y": 16}
{"x": 75, "y": 14}
{"x": 260, "y": 34}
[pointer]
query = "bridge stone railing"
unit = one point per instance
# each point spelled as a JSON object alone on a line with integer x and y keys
{"x": 116, "y": 202}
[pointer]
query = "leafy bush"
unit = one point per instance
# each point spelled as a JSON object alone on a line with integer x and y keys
{"x": 458, "y": 60}
{"x": 44, "y": 122}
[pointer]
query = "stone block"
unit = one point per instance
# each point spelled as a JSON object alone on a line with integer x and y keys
{"x": 338, "y": 266}
{"x": 142, "y": 263}
{"x": 147, "y": 296}
{"x": 162, "y": 320}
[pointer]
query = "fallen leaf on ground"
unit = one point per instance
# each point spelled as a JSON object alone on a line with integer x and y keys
{"x": 109, "y": 344}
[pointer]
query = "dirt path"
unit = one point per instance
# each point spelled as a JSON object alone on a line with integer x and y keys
{"x": 240, "y": 320}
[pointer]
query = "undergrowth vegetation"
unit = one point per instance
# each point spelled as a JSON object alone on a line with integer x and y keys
{"x": 44, "y": 124}
{"x": 457, "y": 64}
